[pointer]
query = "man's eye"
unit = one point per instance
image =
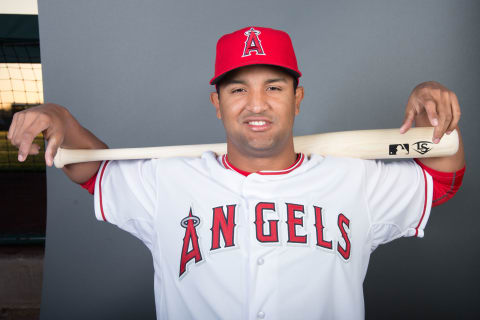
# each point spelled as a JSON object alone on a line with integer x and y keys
{"x": 274, "y": 88}
{"x": 238, "y": 90}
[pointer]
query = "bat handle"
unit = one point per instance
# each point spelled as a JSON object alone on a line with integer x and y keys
{"x": 68, "y": 156}
{"x": 58, "y": 159}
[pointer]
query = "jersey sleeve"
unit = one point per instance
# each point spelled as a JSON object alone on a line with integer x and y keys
{"x": 125, "y": 195}
{"x": 445, "y": 184}
{"x": 399, "y": 199}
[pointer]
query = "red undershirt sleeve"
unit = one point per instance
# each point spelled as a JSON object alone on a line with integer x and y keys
{"x": 90, "y": 184}
{"x": 445, "y": 184}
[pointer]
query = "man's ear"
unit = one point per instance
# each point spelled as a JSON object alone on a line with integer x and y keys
{"x": 298, "y": 99}
{"x": 214, "y": 99}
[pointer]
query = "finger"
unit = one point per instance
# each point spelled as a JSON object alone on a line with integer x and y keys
{"x": 27, "y": 137}
{"x": 431, "y": 109}
{"x": 408, "y": 121}
{"x": 455, "y": 113}
{"x": 439, "y": 130}
{"x": 18, "y": 128}
{"x": 34, "y": 149}
{"x": 25, "y": 145}
{"x": 445, "y": 117}
{"x": 52, "y": 146}
{"x": 11, "y": 130}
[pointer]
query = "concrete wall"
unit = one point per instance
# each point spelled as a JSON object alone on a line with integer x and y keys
{"x": 21, "y": 270}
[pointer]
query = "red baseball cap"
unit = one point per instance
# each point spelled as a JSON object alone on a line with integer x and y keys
{"x": 254, "y": 45}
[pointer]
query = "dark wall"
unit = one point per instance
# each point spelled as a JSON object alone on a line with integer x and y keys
{"x": 18, "y": 27}
{"x": 136, "y": 74}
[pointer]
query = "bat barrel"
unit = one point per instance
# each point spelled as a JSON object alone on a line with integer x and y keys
{"x": 379, "y": 144}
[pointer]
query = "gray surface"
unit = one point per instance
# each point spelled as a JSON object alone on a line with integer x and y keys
{"x": 136, "y": 74}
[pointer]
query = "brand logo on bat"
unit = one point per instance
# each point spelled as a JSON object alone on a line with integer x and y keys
{"x": 398, "y": 149}
{"x": 422, "y": 147}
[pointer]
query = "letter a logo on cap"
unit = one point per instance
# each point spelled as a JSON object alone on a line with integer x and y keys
{"x": 252, "y": 43}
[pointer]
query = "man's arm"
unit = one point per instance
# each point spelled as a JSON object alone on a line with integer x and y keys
{"x": 432, "y": 104}
{"x": 60, "y": 129}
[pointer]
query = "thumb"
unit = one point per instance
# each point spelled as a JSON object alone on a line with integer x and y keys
{"x": 52, "y": 146}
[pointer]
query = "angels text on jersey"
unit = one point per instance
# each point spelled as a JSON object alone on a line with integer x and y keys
{"x": 222, "y": 225}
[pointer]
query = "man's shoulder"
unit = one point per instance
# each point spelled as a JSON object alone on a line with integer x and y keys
{"x": 206, "y": 160}
{"x": 335, "y": 164}
{"x": 165, "y": 164}
{"x": 357, "y": 161}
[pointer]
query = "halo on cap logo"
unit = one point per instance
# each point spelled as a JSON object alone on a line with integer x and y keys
{"x": 252, "y": 43}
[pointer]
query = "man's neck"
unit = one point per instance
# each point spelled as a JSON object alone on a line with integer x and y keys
{"x": 251, "y": 163}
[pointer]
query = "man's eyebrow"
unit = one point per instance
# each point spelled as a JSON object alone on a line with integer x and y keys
{"x": 233, "y": 81}
{"x": 276, "y": 80}
{"x": 239, "y": 81}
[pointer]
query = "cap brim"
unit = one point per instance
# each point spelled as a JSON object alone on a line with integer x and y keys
{"x": 218, "y": 78}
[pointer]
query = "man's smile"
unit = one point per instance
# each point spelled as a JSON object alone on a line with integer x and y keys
{"x": 258, "y": 124}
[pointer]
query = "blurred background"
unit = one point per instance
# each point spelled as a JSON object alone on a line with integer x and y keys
{"x": 22, "y": 187}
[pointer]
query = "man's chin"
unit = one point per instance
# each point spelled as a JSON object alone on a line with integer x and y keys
{"x": 262, "y": 148}
{"x": 259, "y": 146}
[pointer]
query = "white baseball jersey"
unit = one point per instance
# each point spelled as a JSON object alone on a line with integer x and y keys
{"x": 291, "y": 244}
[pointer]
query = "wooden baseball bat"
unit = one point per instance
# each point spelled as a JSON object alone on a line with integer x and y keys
{"x": 364, "y": 144}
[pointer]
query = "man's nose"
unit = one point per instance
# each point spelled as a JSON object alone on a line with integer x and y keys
{"x": 257, "y": 101}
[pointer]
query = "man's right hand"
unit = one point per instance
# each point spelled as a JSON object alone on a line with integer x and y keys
{"x": 51, "y": 119}
{"x": 60, "y": 129}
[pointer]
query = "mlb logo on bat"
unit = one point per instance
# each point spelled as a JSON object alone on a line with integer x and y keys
{"x": 398, "y": 149}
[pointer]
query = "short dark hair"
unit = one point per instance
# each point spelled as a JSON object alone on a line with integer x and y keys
{"x": 224, "y": 77}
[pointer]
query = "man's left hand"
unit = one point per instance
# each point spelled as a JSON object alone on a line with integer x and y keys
{"x": 432, "y": 104}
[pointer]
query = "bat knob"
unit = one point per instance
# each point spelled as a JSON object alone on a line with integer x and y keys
{"x": 57, "y": 160}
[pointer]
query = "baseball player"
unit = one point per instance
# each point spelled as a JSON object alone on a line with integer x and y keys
{"x": 260, "y": 232}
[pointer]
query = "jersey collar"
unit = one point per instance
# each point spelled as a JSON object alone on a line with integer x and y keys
{"x": 296, "y": 164}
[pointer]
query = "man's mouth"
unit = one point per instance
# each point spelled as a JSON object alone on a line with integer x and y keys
{"x": 258, "y": 125}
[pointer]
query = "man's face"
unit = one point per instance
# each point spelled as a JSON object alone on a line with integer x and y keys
{"x": 257, "y": 105}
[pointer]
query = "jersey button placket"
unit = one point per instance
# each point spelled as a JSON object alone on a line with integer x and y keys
{"x": 250, "y": 273}
{"x": 259, "y": 263}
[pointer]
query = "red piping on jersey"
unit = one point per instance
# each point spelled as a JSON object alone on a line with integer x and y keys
{"x": 296, "y": 164}
{"x": 445, "y": 184}
{"x": 230, "y": 166}
{"x": 100, "y": 190}
{"x": 425, "y": 203}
